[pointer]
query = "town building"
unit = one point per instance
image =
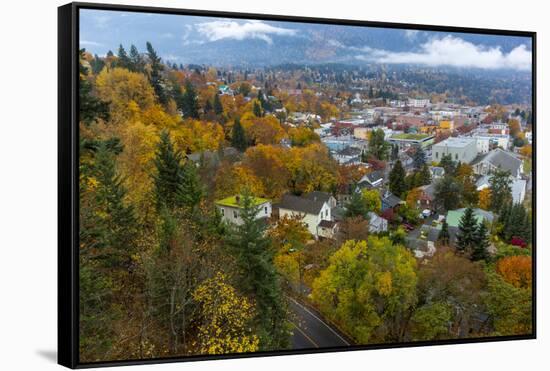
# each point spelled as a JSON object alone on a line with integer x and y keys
{"x": 460, "y": 149}
{"x": 312, "y": 211}
{"x": 407, "y": 140}
{"x": 231, "y": 207}
{"x": 498, "y": 159}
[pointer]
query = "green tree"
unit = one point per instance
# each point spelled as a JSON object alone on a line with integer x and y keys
{"x": 252, "y": 249}
{"x": 378, "y": 147}
{"x": 444, "y": 237}
{"x": 419, "y": 158}
{"x": 480, "y": 250}
{"x": 257, "y": 109}
{"x": 155, "y": 77}
{"x": 91, "y": 108}
{"x": 238, "y": 138}
{"x": 123, "y": 60}
{"x": 467, "y": 231}
{"x": 424, "y": 175}
{"x": 356, "y": 206}
{"x": 447, "y": 193}
{"x": 431, "y": 321}
{"x": 448, "y": 164}
{"x": 397, "y": 179}
{"x": 189, "y": 103}
{"x": 501, "y": 190}
{"x": 218, "y": 107}
{"x": 137, "y": 63}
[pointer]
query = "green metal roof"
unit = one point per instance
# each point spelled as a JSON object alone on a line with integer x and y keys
{"x": 453, "y": 217}
{"x": 231, "y": 201}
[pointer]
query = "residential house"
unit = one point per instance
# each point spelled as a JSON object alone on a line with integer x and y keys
{"x": 498, "y": 159}
{"x": 312, "y": 211}
{"x": 327, "y": 229}
{"x": 321, "y": 196}
{"x": 377, "y": 224}
{"x": 231, "y": 208}
{"x": 374, "y": 179}
{"x": 437, "y": 172}
{"x": 518, "y": 187}
{"x": 427, "y": 197}
{"x": 390, "y": 201}
{"x": 453, "y": 216}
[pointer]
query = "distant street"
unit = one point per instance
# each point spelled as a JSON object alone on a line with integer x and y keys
{"x": 310, "y": 331}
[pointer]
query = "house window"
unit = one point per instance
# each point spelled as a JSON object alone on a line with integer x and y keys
{"x": 223, "y": 212}
{"x": 326, "y": 213}
{"x": 235, "y": 214}
{"x": 265, "y": 209}
{"x": 437, "y": 155}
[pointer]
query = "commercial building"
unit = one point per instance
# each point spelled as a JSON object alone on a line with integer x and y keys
{"x": 460, "y": 149}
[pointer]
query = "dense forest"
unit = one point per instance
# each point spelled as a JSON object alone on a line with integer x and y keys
{"x": 161, "y": 274}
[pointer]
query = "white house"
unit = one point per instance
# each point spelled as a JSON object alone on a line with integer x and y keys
{"x": 231, "y": 208}
{"x": 498, "y": 159}
{"x": 312, "y": 211}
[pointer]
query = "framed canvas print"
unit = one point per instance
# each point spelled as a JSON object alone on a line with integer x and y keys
{"x": 235, "y": 185}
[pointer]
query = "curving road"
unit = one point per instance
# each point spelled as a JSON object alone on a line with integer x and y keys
{"x": 310, "y": 331}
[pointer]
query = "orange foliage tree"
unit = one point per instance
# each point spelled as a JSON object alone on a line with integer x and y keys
{"x": 516, "y": 270}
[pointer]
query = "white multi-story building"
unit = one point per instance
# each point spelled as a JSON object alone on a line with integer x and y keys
{"x": 461, "y": 149}
{"x": 418, "y": 102}
{"x": 486, "y": 142}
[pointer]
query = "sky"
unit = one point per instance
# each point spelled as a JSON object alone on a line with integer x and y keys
{"x": 211, "y": 40}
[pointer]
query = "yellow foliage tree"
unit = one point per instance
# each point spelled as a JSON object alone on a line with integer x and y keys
{"x": 234, "y": 180}
{"x": 484, "y": 201}
{"x": 225, "y": 319}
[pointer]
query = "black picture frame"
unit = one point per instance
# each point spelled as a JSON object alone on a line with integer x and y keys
{"x": 68, "y": 197}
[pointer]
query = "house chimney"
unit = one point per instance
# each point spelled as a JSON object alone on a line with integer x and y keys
{"x": 238, "y": 199}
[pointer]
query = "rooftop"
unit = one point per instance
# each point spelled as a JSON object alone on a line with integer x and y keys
{"x": 301, "y": 204}
{"x": 232, "y": 201}
{"x": 453, "y": 216}
{"x": 410, "y": 136}
{"x": 456, "y": 142}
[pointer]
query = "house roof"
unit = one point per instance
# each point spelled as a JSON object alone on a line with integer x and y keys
{"x": 376, "y": 220}
{"x": 300, "y": 204}
{"x": 373, "y": 177}
{"x": 318, "y": 196}
{"x": 501, "y": 159}
{"x": 437, "y": 171}
{"x": 453, "y": 216}
{"x": 391, "y": 200}
{"x": 428, "y": 190}
{"x": 236, "y": 201}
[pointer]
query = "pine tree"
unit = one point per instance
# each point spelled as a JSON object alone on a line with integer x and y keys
{"x": 189, "y": 103}
{"x": 155, "y": 76}
{"x": 397, "y": 179}
{"x": 444, "y": 237}
{"x": 419, "y": 158}
{"x": 394, "y": 152}
{"x": 257, "y": 109}
{"x": 448, "y": 193}
{"x": 238, "y": 138}
{"x": 467, "y": 231}
{"x": 207, "y": 106}
{"x": 123, "y": 59}
{"x": 218, "y": 107}
{"x": 356, "y": 206}
{"x": 137, "y": 64}
{"x": 501, "y": 189}
{"x": 480, "y": 249}
{"x": 176, "y": 185}
{"x": 448, "y": 164}
{"x": 425, "y": 177}
{"x": 252, "y": 249}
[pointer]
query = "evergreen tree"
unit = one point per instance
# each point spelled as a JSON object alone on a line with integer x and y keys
{"x": 238, "y": 138}
{"x": 356, "y": 206}
{"x": 123, "y": 59}
{"x": 176, "y": 185}
{"x": 189, "y": 103}
{"x": 394, "y": 152}
{"x": 257, "y": 109}
{"x": 448, "y": 164}
{"x": 501, "y": 189}
{"x": 155, "y": 76}
{"x": 467, "y": 231}
{"x": 448, "y": 193}
{"x": 252, "y": 249}
{"x": 207, "y": 106}
{"x": 97, "y": 64}
{"x": 419, "y": 158}
{"x": 218, "y": 107}
{"x": 91, "y": 108}
{"x": 137, "y": 63}
{"x": 425, "y": 177}
{"x": 481, "y": 247}
{"x": 444, "y": 237}
{"x": 397, "y": 179}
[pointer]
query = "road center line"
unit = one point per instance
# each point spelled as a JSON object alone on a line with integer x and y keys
{"x": 319, "y": 319}
{"x": 303, "y": 333}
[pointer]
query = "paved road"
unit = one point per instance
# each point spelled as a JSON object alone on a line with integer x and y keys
{"x": 310, "y": 331}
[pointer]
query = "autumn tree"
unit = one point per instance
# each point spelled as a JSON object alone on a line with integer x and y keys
{"x": 516, "y": 270}
{"x": 251, "y": 247}
{"x": 372, "y": 296}
{"x": 378, "y": 147}
{"x": 484, "y": 199}
{"x": 225, "y": 318}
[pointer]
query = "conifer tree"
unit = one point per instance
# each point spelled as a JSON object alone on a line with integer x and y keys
{"x": 480, "y": 249}
{"x": 189, "y": 103}
{"x": 444, "y": 237}
{"x": 155, "y": 76}
{"x": 425, "y": 177}
{"x": 419, "y": 158}
{"x": 397, "y": 179}
{"x": 252, "y": 249}
{"x": 501, "y": 189}
{"x": 257, "y": 109}
{"x": 356, "y": 206}
{"x": 91, "y": 108}
{"x": 123, "y": 59}
{"x": 218, "y": 107}
{"x": 137, "y": 64}
{"x": 467, "y": 231}
{"x": 238, "y": 138}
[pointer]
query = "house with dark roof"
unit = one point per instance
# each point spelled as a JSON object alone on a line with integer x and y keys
{"x": 327, "y": 229}
{"x": 377, "y": 224}
{"x": 312, "y": 210}
{"x": 390, "y": 201}
{"x": 374, "y": 179}
{"x": 321, "y": 196}
{"x": 498, "y": 159}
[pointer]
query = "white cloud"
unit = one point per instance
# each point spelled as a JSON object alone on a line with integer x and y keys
{"x": 456, "y": 52}
{"x": 218, "y": 30}
{"x": 90, "y": 43}
{"x": 411, "y": 34}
